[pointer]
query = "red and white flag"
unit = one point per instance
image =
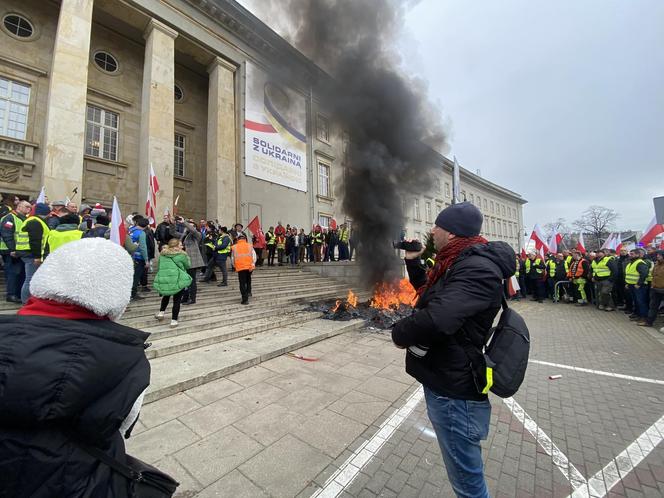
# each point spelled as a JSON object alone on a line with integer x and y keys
{"x": 118, "y": 230}
{"x": 556, "y": 239}
{"x": 580, "y": 245}
{"x": 608, "y": 243}
{"x": 652, "y": 230}
{"x": 151, "y": 202}
{"x": 255, "y": 227}
{"x": 539, "y": 238}
{"x": 513, "y": 285}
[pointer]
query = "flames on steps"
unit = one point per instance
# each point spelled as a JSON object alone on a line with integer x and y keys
{"x": 390, "y": 302}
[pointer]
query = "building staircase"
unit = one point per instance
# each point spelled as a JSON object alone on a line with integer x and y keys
{"x": 218, "y": 336}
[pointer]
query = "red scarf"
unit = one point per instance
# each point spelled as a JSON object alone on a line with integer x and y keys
{"x": 46, "y": 307}
{"x": 446, "y": 256}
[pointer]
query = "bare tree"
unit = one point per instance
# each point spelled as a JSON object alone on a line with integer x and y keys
{"x": 597, "y": 222}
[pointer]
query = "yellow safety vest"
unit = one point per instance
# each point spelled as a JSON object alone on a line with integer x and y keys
{"x": 651, "y": 265}
{"x": 552, "y": 267}
{"x": 18, "y": 224}
{"x": 631, "y": 273}
{"x": 271, "y": 239}
{"x": 537, "y": 270}
{"x": 601, "y": 269}
{"x": 344, "y": 235}
{"x": 227, "y": 250}
{"x": 568, "y": 261}
{"x": 59, "y": 238}
{"x": 23, "y": 240}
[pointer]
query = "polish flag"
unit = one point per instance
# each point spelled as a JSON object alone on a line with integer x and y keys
{"x": 41, "y": 198}
{"x": 608, "y": 243}
{"x": 580, "y": 245}
{"x": 524, "y": 255}
{"x": 118, "y": 230}
{"x": 652, "y": 230}
{"x": 255, "y": 227}
{"x": 539, "y": 238}
{"x": 513, "y": 285}
{"x": 556, "y": 239}
{"x": 151, "y": 202}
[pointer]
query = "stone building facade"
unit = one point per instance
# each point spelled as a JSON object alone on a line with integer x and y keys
{"x": 94, "y": 92}
{"x": 502, "y": 208}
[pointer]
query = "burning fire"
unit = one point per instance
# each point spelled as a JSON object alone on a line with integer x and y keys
{"x": 392, "y": 295}
{"x": 351, "y": 300}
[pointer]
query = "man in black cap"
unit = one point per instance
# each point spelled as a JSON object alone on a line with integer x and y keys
{"x": 458, "y": 301}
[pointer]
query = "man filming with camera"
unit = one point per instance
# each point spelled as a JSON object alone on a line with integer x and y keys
{"x": 458, "y": 300}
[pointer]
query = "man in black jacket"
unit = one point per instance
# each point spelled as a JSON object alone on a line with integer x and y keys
{"x": 458, "y": 301}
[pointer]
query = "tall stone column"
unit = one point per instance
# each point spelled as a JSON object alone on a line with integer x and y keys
{"x": 64, "y": 136}
{"x": 158, "y": 115}
{"x": 221, "y": 158}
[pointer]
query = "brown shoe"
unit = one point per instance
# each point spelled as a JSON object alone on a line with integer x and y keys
{"x": 643, "y": 323}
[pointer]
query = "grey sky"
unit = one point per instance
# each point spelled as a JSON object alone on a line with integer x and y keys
{"x": 562, "y": 102}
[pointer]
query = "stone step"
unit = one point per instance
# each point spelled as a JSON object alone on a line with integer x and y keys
{"x": 216, "y": 301}
{"x": 208, "y": 336}
{"x": 180, "y": 371}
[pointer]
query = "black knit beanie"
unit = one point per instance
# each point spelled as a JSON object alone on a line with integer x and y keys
{"x": 462, "y": 219}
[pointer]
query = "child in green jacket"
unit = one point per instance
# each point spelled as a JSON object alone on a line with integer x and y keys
{"x": 172, "y": 278}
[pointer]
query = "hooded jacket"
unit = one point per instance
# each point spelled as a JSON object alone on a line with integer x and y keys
{"x": 68, "y": 373}
{"x": 63, "y": 379}
{"x": 172, "y": 274}
{"x": 459, "y": 307}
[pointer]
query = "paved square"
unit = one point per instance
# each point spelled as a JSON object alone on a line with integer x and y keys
{"x": 296, "y": 428}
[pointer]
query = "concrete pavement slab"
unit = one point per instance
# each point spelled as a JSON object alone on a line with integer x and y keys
{"x": 214, "y": 416}
{"x": 161, "y": 441}
{"x": 215, "y": 456}
{"x": 270, "y": 423}
{"x": 285, "y": 467}
{"x": 234, "y": 485}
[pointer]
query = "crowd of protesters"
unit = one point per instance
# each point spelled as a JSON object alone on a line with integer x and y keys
{"x": 181, "y": 251}
{"x": 631, "y": 280}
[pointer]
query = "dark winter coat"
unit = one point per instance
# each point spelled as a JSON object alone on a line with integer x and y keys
{"x": 459, "y": 307}
{"x": 61, "y": 379}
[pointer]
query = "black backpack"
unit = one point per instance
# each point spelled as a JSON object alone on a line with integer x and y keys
{"x": 501, "y": 365}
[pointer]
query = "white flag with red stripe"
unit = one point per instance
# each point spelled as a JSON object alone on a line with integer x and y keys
{"x": 652, "y": 230}
{"x": 513, "y": 285}
{"x": 118, "y": 230}
{"x": 539, "y": 238}
{"x": 556, "y": 239}
{"x": 151, "y": 202}
{"x": 580, "y": 245}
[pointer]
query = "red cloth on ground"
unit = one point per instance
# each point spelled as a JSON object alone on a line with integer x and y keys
{"x": 46, "y": 307}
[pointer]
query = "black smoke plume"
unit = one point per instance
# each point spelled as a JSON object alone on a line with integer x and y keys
{"x": 391, "y": 123}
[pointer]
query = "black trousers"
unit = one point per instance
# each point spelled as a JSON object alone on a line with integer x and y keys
{"x": 271, "y": 249}
{"x": 244, "y": 276}
{"x": 190, "y": 292}
{"x": 177, "y": 299}
{"x": 139, "y": 269}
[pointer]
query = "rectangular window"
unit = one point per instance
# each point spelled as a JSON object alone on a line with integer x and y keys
{"x": 509, "y": 212}
{"x": 439, "y": 208}
{"x": 447, "y": 190}
{"x": 503, "y": 210}
{"x": 427, "y": 208}
{"x": 437, "y": 184}
{"x": 179, "y": 154}
{"x": 505, "y": 228}
{"x": 493, "y": 227}
{"x": 479, "y": 202}
{"x": 324, "y": 179}
{"x": 101, "y": 133}
{"x": 485, "y": 205}
{"x": 500, "y": 232}
{"x": 324, "y": 220}
{"x": 14, "y": 105}
{"x": 404, "y": 208}
{"x": 492, "y": 207}
{"x": 511, "y": 231}
{"x": 416, "y": 209}
{"x": 322, "y": 128}
{"x": 472, "y": 198}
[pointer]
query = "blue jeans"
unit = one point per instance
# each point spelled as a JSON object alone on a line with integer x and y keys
{"x": 14, "y": 275}
{"x": 640, "y": 297}
{"x": 460, "y": 425}
{"x": 30, "y": 269}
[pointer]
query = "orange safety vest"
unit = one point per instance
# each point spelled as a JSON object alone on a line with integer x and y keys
{"x": 576, "y": 269}
{"x": 242, "y": 256}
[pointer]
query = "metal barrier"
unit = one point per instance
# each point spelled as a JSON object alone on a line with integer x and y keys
{"x": 556, "y": 292}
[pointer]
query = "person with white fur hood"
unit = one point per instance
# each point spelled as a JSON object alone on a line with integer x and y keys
{"x": 70, "y": 374}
